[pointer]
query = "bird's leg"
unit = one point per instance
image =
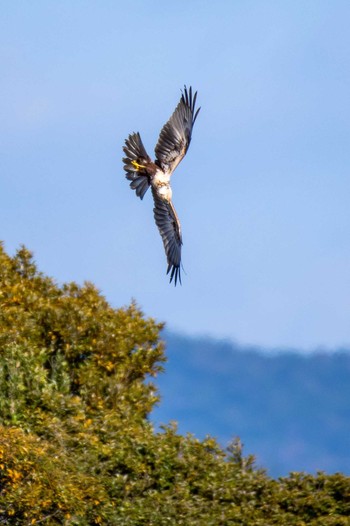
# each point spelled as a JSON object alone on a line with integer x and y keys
{"x": 137, "y": 165}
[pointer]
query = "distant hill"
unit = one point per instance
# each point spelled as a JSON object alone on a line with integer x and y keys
{"x": 291, "y": 410}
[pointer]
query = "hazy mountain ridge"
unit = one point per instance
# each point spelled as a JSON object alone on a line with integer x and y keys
{"x": 291, "y": 410}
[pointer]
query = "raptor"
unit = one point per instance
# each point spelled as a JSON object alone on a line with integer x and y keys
{"x": 172, "y": 145}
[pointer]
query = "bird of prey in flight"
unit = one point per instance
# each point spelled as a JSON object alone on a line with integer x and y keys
{"x": 172, "y": 145}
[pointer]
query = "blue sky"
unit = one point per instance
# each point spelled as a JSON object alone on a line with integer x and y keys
{"x": 263, "y": 194}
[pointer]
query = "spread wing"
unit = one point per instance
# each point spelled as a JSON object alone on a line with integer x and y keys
{"x": 175, "y": 137}
{"x": 169, "y": 227}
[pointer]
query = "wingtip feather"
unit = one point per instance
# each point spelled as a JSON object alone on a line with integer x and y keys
{"x": 175, "y": 274}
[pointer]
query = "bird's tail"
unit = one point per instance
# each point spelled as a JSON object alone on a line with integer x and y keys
{"x": 135, "y": 164}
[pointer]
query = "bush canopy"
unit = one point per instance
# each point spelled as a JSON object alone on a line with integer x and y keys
{"x": 76, "y": 445}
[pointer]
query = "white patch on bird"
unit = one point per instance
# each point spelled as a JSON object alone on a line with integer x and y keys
{"x": 161, "y": 182}
{"x": 164, "y": 191}
{"x": 161, "y": 178}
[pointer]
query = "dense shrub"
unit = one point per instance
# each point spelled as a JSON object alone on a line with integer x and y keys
{"x": 76, "y": 447}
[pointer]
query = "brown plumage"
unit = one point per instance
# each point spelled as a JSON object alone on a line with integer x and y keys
{"x": 172, "y": 145}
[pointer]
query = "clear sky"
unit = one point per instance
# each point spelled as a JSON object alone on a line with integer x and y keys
{"x": 263, "y": 194}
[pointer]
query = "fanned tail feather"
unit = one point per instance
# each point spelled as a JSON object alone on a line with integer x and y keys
{"x": 136, "y": 157}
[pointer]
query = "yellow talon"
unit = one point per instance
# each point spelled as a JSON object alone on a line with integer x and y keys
{"x": 137, "y": 165}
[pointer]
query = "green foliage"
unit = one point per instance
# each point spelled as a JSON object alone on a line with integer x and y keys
{"x": 76, "y": 447}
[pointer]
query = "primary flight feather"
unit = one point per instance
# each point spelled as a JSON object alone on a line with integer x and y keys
{"x": 172, "y": 145}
